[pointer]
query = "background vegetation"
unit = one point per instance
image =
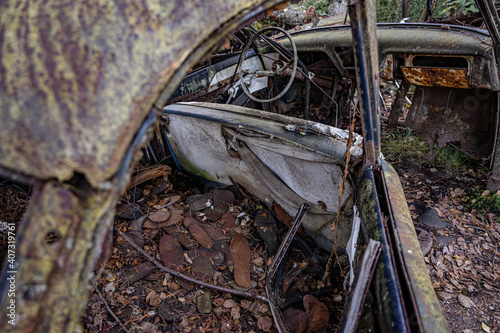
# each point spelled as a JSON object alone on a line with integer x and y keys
{"x": 390, "y": 10}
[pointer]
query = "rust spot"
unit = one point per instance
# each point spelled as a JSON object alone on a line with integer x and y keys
{"x": 436, "y": 77}
{"x": 386, "y": 68}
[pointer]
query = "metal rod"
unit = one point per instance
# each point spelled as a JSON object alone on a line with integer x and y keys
{"x": 364, "y": 30}
{"x": 283, "y": 249}
{"x": 280, "y": 254}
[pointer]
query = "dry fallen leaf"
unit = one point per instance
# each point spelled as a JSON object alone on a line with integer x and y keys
{"x": 240, "y": 251}
{"x": 171, "y": 252}
{"x": 485, "y": 327}
{"x": 466, "y": 301}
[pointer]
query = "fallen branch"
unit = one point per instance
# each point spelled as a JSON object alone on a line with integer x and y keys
{"x": 187, "y": 277}
{"x": 108, "y": 308}
{"x": 148, "y": 174}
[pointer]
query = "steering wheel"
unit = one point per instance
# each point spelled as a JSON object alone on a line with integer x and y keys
{"x": 277, "y": 69}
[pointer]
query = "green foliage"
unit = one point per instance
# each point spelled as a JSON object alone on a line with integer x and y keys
{"x": 452, "y": 8}
{"x": 400, "y": 144}
{"x": 263, "y": 23}
{"x": 485, "y": 202}
{"x": 452, "y": 157}
{"x": 391, "y": 11}
{"x": 321, "y": 6}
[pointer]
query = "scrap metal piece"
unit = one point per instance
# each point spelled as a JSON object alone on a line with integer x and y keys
{"x": 354, "y": 306}
{"x": 352, "y": 244}
{"x": 271, "y": 274}
{"x": 283, "y": 249}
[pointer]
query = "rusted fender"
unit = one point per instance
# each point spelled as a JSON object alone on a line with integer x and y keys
{"x": 426, "y": 313}
{"x": 77, "y": 78}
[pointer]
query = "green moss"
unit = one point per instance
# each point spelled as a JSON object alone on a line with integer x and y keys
{"x": 188, "y": 166}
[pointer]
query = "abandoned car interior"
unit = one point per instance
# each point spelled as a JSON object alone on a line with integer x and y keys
{"x": 289, "y": 122}
{"x": 261, "y": 118}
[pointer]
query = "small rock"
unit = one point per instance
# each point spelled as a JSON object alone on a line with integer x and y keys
{"x": 215, "y": 211}
{"x": 220, "y": 196}
{"x": 337, "y": 298}
{"x": 202, "y": 268}
{"x": 228, "y": 221}
{"x": 204, "y": 303}
{"x": 222, "y": 246}
{"x": 430, "y": 218}
{"x": 200, "y": 202}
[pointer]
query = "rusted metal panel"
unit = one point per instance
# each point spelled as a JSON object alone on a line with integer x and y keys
{"x": 77, "y": 78}
{"x": 436, "y": 77}
{"x": 460, "y": 116}
{"x": 386, "y": 67}
{"x": 428, "y": 316}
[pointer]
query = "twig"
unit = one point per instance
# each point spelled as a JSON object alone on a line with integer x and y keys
{"x": 108, "y": 308}
{"x": 187, "y": 277}
{"x": 347, "y": 158}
